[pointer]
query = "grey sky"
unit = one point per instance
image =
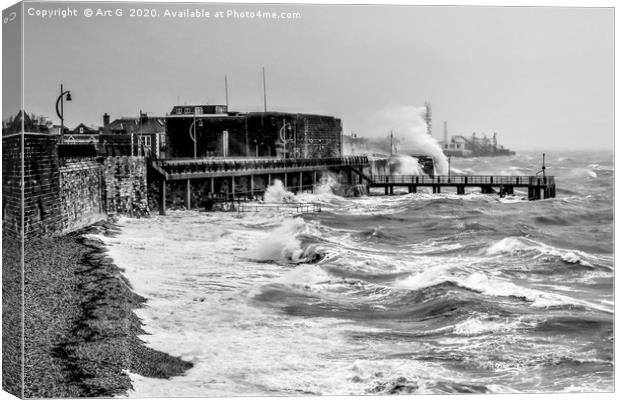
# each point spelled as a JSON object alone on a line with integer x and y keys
{"x": 540, "y": 77}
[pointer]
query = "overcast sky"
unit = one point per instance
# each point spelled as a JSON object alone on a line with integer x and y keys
{"x": 540, "y": 77}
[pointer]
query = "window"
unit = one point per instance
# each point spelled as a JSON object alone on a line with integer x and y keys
{"x": 81, "y": 129}
{"x": 146, "y": 141}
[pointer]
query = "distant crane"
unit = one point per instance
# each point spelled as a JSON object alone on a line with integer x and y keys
{"x": 393, "y": 144}
{"x": 428, "y": 118}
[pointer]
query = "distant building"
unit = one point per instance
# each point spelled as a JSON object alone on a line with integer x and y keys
{"x": 82, "y": 134}
{"x": 31, "y": 123}
{"x": 144, "y": 135}
{"x": 458, "y": 146}
{"x": 474, "y": 146}
{"x": 220, "y": 133}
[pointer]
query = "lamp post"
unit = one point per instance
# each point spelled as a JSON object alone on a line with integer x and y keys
{"x": 61, "y": 111}
{"x": 256, "y": 144}
{"x": 192, "y": 134}
{"x": 285, "y": 126}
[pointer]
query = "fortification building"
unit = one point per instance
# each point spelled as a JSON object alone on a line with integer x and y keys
{"x": 212, "y": 131}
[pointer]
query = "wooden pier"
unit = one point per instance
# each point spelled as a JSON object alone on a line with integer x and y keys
{"x": 537, "y": 186}
{"x": 192, "y": 183}
{"x": 231, "y": 179}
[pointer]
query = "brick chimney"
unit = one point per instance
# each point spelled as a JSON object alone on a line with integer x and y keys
{"x": 106, "y": 119}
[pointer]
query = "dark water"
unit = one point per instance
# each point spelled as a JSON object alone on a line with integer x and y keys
{"x": 414, "y": 293}
{"x": 501, "y": 294}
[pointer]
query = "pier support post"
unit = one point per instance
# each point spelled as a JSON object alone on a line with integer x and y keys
{"x": 212, "y": 185}
{"x": 252, "y": 185}
{"x": 460, "y": 190}
{"x": 438, "y": 189}
{"x": 285, "y": 180}
{"x": 410, "y": 189}
{"x": 162, "y": 197}
{"x": 232, "y": 187}
{"x": 301, "y": 182}
{"x": 387, "y": 191}
{"x": 268, "y": 179}
{"x": 188, "y": 194}
{"x": 391, "y": 189}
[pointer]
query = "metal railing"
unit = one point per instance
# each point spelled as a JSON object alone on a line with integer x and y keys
{"x": 464, "y": 180}
{"x": 297, "y": 208}
{"x": 185, "y": 166}
{"x": 256, "y": 194}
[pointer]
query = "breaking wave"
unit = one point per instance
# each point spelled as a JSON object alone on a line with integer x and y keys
{"x": 527, "y": 247}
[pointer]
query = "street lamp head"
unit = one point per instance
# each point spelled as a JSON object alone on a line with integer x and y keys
{"x": 200, "y": 123}
{"x": 68, "y": 96}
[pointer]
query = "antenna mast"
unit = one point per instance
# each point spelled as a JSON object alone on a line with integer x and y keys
{"x": 226, "y": 89}
{"x": 264, "y": 91}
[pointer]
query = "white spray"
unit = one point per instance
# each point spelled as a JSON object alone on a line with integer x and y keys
{"x": 276, "y": 193}
{"x": 328, "y": 184}
{"x": 281, "y": 244}
{"x": 408, "y": 125}
{"x": 405, "y": 165}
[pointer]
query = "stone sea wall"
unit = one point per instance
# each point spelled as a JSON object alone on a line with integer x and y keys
{"x": 12, "y": 199}
{"x": 42, "y": 214}
{"x": 125, "y": 183}
{"x": 59, "y": 195}
{"x": 81, "y": 201}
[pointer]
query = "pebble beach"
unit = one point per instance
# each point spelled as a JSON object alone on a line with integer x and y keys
{"x": 81, "y": 332}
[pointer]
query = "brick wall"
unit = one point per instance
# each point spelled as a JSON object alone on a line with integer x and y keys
{"x": 124, "y": 180}
{"x": 81, "y": 201}
{"x": 319, "y": 136}
{"x": 42, "y": 213}
{"x": 11, "y": 185}
{"x": 60, "y": 199}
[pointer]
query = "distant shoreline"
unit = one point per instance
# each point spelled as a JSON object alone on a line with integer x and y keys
{"x": 81, "y": 332}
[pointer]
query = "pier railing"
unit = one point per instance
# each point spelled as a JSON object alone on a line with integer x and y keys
{"x": 471, "y": 180}
{"x": 218, "y": 165}
{"x": 296, "y": 208}
{"x": 256, "y": 194}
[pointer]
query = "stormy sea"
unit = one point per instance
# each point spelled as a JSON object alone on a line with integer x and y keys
{"x": 403, "y": 294}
